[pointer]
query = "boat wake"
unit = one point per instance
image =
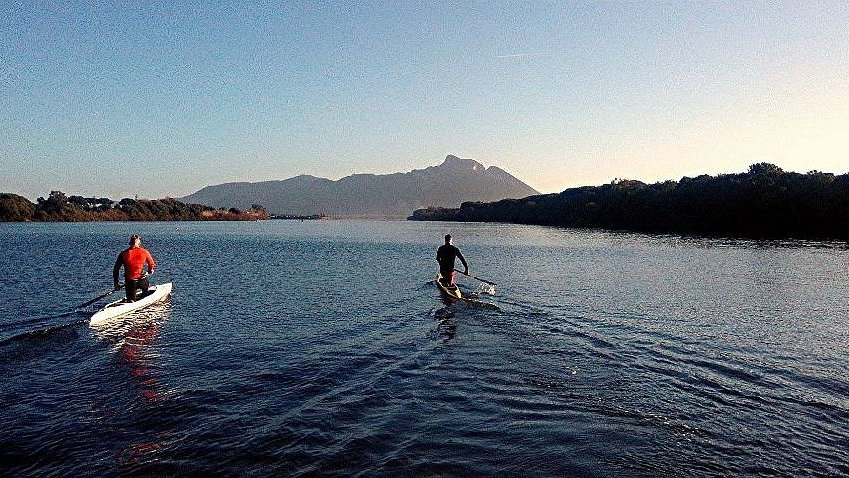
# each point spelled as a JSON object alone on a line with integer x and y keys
{"x": 35, "y": 320}
{"x": 40, "y": 332}
{"x": 485, "y": 289}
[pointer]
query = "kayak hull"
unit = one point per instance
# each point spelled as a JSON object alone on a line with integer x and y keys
{"x": 121, "y": 308}
{"x": 452, "y": 293}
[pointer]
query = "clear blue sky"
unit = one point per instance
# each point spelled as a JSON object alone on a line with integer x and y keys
{"x": 152, "y": 99}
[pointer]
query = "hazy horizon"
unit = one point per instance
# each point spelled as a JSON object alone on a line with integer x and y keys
{"x": 162, "y": 99}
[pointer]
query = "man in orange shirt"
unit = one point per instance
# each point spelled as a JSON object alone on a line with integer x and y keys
{"x": 133, "y": 259}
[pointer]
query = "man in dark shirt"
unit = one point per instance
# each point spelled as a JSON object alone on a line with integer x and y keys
{"x": 445, "y": 256}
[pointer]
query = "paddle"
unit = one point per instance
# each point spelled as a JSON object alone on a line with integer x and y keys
{"x": 81, "y": 306}
{"x": 476, "y": 278}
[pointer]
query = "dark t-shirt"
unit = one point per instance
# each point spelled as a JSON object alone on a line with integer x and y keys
{"x": 445, "y": 255}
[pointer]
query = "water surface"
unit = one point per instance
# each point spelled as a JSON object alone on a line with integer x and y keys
{"x": 323, "y": 348}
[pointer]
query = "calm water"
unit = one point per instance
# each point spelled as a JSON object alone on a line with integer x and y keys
{"x": 323, "y": 348}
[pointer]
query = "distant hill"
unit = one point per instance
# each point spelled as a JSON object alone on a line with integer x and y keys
{"x": 454, "y": 181}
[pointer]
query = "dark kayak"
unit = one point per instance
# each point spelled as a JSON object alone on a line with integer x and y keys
{"x": 453, "y": 294}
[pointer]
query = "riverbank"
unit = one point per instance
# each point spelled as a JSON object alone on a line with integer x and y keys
{"x": 765, "y": 202}
{"x": 58, "y": 207}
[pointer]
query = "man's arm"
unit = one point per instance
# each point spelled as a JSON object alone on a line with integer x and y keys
{"x": 116, "y": 269}
{"x": 463, "y": 260}
{"x": 151, "y": 264}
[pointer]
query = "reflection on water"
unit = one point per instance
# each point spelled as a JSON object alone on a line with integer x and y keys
{"x": 117, "y": 330}
{"x": 133, "y": 338}
{"x": 446, "y": 326}
{"x": 133, "y": 343}
{"x": 139, "y": 353}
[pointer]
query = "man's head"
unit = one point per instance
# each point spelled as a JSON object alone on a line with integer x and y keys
{"x": 448, "y": 238}
{"x": 135, "y": 240}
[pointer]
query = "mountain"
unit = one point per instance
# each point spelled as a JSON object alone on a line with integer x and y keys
{"x": 454, "y": 181}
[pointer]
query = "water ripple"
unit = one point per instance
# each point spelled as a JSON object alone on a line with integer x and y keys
{"x": 294, "y": 349}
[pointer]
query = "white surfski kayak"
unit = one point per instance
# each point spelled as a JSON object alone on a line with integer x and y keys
{"x": 120, "y": 308}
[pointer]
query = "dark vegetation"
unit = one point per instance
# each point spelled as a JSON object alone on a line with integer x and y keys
{"x": 765, "y": 202}
{"x": 58, "y": 207}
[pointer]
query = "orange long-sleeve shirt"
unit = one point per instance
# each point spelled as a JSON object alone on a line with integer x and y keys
{"x": 133, "y": 260}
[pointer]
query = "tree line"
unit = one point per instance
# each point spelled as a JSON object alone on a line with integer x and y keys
{"x": 58, "y": 207}
{"x": 764, "y": 202}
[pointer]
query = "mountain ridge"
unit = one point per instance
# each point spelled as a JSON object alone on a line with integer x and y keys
{"x": 453, "y": 181}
